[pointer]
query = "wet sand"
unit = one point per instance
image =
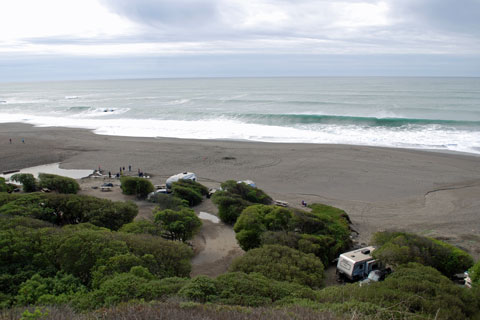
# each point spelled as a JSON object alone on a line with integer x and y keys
{"x": 431, "y": 193}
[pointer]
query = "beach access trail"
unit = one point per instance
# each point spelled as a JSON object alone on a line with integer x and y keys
{"x": 431, "y": 193}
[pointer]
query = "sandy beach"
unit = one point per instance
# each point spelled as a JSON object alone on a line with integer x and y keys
{"x": 431, "y": 193}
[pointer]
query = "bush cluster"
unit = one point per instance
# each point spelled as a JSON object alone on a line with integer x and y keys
{"x": 396, "y": 248}
{"x": 28, "y": 181}
{"x": 168, "y": 201}
{"x": 238, "y": 288}
{"x": 62, "y": 209}
{"x": 283, "y": 264}
{"x": 234, "y": 197}
{"x": 58, "y": 183}
{"x": 474, "y": 273}
{"x": 413, "y": 291}
{"x": 43, "y": 264}
{"x": 142, "y": 227}
{"x": 323, "y": 232}
{"x": 89, "y": 267}
{"x": 190, "y": 191}
{"x": 179, "y": 225}
{"x": 6, "y": 187}
{"x": 140, "y": 187}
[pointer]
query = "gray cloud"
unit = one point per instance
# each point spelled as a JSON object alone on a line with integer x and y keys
{"x": 166, "y": 12}
{"x": 446, "y": 15}
{"x": 178, "y": 38}
{"x": 423, "y": 25}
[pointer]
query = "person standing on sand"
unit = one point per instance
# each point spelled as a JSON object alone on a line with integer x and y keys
{"x": 10, "y": 140}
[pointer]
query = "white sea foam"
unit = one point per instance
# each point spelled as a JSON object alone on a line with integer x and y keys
{"x": 101, "y": 112}
{"x": 422, "y": 137}
{"x": 442, "y": 113}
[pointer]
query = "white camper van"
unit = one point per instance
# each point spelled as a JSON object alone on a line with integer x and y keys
{"x": 180, "y": 176}
{"x": 357, "y": 264}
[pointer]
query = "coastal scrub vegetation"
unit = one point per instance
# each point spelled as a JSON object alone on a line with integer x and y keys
{"x": 474, "y": 273}
{"x": 6, "y": 187}
{"x": 83, "y": 267}
{"x": 168, "y": 201}
{"x": 190, "y": 191}
{"x": 283, "y": 264}
{"x": 234, "y": 197}
{"x": 137, "y": 186}
{"x": 80, "y": 264}
{"x": 27, "y": 180}
{"x": 60, "y": 257}
{"x": 324, "y": 231}
{"x": 412, "y": 291}
{"x": 58, "y": 183}
{"x": 179, "y": 225}
{"x": 63, "y": 209}
{"x": 142, "y": 227}
{"x": 396, "y": 248}
{"x": 52, "y": 182}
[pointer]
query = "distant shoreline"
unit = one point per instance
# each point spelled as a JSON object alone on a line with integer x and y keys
{"x": 432, "y": 193}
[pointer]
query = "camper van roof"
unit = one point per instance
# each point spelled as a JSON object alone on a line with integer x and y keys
{"x": 359, "y": 254}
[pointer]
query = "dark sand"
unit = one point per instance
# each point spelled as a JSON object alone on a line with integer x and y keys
{"x": 431, "y": 193}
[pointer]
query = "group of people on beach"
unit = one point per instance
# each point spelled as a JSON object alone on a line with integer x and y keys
{"x": 122, "y": 170}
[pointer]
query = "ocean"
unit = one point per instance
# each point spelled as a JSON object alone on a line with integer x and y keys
{"x": 420, "y": 113}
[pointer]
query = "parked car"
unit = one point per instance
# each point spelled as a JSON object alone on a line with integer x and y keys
{"x": 375, "y": 276}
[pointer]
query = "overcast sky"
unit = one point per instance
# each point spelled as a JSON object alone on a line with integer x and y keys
{"x": 92, "y": 39}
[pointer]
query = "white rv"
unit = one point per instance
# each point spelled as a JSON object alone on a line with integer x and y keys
{"x": 180, "y": 176}
{"x": 357, "y": 264}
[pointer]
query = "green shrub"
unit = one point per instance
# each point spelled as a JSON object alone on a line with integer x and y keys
{"x": 229, "y": 206}
{"x": 161, "y": 289}
{"x": 254, "y": 289}
{"x": 28, "y": 181}
{"x": 200, "y": 289}
{"x": 41, "y": 264}
{"x": 283, "y": 264}
{"x": 162, "y": 258}
{"x": 69, "y": 209}
{"x": 120, "y": 263}
{"x": 123, "y": 286}
{"x": 180, "y": 225}
{"x": 168, "y": 201}
{"x": 412, "y": 291}
{"x": 6, "y": 187}
{"x": 140, "y": 187}
{"x": 144, "y": 187}
{"x": 321, "y": 233}
{"x": 188, "y": 194}
{"x": 397, "y": 248}
{"x": 57, "y": 290}
{"x": 142, "y": 226}
{"x": 129, "y": 185}
{"x": 81, "y": 251}
{"x": 58, "y": 183}
{"x": 246, "y": 192}
{"x": 190, "y": 184}
{"x": 474, "y": 273}
{"x": 235, "y": 197}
